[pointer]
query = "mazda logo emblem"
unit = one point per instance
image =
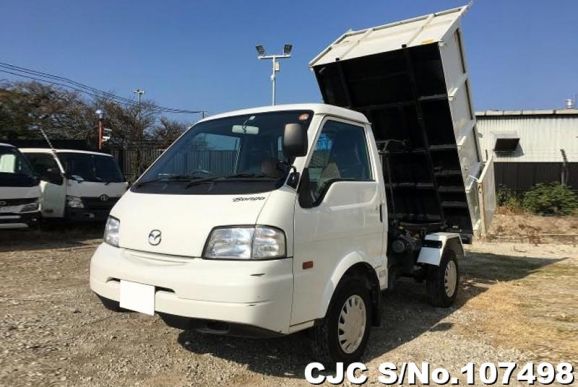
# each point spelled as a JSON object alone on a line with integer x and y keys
{"x": 103, "y": 198}
{"x": 155, "y": 237}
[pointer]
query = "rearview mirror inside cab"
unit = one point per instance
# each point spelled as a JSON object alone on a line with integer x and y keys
{"x": 295, "y": 140}
{"x": 245, "y": 129}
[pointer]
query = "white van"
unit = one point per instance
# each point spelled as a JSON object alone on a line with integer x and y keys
{"x": 19, "y": 191}
{"x": 274, "y": 220}
{"x": 76, "y": 185}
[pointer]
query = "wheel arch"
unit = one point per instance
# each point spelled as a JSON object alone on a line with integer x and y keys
{"x": 354, "y": 268}
{"x": 434, "y": 245}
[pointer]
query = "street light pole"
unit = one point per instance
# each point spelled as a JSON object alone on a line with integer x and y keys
{"x": 140, "y": 132}
{"x": 139, "y": 93}
{"x": 275, "y": 63}
{"x": 100, "y": 115}
{"x": 274, "y": 78}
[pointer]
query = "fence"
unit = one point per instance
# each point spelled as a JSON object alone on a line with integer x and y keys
{"x": 520, "y": 177}
{"x": 134, "y": 161}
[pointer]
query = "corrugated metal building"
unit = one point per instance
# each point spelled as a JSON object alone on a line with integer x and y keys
{"x": 531, "y": 146}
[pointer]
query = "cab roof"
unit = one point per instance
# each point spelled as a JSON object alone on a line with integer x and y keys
{"x": 7, "y": 145}
{"x": 317, "y": 108}
{"x": 48, "y": 150}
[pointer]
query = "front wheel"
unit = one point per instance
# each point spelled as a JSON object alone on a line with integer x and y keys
{"x": 443, "y": 280}
{"x": 343, "y": 334}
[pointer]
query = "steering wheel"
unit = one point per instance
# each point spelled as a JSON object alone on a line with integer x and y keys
{"x": 200, "y": 171}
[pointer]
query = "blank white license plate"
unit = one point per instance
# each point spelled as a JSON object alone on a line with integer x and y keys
{"x": 9, "y": 209}
{"x": 137, "y": 297}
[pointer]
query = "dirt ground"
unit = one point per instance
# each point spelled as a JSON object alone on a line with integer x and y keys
{"x": 517, "y": 302}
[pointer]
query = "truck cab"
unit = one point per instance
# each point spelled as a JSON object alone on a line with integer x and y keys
{"x": 76, "y": 185}
{"x": 19, "y": 190}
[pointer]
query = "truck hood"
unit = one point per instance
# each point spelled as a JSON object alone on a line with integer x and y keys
{"x": 184, "y": 221}
{"x": 19, "y": 192}
{"x": 90, "y": 189}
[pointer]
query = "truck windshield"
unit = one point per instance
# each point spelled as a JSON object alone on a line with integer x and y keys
{"x": 15, "y": 171}
{"x": 90, "y": 167}
{"x": 233, "y": 155}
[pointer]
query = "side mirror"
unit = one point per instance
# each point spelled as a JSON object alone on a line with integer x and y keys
{"x": 295, "y": 142}
{"x": 52, "y": 177}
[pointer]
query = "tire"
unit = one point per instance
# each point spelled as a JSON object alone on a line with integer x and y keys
{"x": 327, "y": 347}
{"x": 443, "y": 280}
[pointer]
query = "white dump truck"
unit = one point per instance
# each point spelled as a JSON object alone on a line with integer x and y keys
{"x": 19, "y": 190}
{"x": 275, "y": 220}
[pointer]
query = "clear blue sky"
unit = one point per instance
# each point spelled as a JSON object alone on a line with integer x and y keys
{"x": 200, "y": 55}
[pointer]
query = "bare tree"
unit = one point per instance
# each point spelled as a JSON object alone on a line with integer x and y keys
{"x": 27, "y": 106}
{"x": 167, "y": 131}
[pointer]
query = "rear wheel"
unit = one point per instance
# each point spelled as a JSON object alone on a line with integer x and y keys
{"x": 443, "y": 280}
{"x": 343, "y": 334}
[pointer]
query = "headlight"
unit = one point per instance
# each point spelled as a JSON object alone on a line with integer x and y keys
{"x": 259, "y": 242}
{"x": 111, "y": 231}
{"x": 30, "y": 207}
{"x": 74, "y": 202}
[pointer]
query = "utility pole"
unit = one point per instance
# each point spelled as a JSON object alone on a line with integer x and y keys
{"x": 275, "y": 62}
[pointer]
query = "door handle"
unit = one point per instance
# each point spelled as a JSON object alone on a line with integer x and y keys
{"x": 381, "y": 212}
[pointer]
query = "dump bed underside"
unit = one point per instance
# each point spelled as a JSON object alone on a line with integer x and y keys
{"x": 418, "y": 103}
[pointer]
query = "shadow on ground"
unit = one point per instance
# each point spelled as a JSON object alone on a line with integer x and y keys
{"x": 406, "y": 315}
{"x": 52, "y": 235}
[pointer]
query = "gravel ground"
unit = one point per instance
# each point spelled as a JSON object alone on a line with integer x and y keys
{"x": 517, "y": 303}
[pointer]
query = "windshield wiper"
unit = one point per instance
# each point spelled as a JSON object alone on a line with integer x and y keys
{"x": 160, "y": 179}
{"x": 248, "y": 176}
{"x": 202, "y": 180}
{"x": 195, "y": 180}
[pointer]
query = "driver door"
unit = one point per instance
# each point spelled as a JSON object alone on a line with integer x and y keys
{"x": 52, "y": 184}
{"x": 342, "y": 220}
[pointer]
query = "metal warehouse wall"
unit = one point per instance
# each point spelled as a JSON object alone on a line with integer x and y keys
{"x": 541, "y": 135}
{"x": 537, "y": 158}
{"x": 520, "y": 177}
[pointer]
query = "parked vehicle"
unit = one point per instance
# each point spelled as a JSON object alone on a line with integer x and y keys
{"x": 76, "y": 185}
{"x": 19, "y": 191}
{"x": 274, "y": 220}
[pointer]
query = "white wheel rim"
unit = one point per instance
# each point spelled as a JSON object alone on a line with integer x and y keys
{"x": 450, "y": 278}
{"x": 351, "y": 324}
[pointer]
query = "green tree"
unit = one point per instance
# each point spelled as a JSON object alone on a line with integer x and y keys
{"x": 550, "y": 199}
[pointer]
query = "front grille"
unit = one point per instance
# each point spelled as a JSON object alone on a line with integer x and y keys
{"x": 16, "y": 202}
{"x": 98, "y": 204}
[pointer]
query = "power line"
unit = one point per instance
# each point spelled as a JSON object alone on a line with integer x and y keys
{"x": 60, "y": 79}
{"x": 68, "y": 83}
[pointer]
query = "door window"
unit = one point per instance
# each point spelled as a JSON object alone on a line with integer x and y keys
{"x": 43, "y": 163}
{"x": 340, "y": 155}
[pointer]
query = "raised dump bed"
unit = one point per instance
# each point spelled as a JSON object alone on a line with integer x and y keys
{"x": 410, "y": 79}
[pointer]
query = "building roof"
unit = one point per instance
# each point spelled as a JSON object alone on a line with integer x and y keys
{"x": 541, "y": 112}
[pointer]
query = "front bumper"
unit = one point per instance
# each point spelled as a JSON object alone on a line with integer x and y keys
{"x": 251, "y": 293}
{"x": 94, "y": 209}
{"x": 87, "y": 215}
{"x": 19, "y": 220}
